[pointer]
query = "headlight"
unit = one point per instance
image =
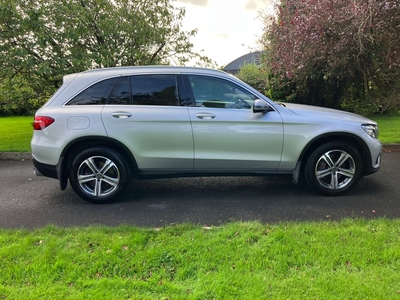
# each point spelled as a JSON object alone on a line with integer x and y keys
{"x": 371, "y": 130}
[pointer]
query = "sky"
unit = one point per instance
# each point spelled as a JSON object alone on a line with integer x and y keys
{"x": 227, "y": 29}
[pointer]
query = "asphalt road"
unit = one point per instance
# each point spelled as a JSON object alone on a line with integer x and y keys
{"x": 28, "y": 201}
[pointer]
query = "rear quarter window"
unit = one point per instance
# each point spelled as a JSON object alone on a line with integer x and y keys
{"x": 97, "y": 94}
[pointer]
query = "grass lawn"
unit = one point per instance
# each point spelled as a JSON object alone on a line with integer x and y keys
{"x": 389, "y": 128}
{"x": 350, "y": 259}
{"x": 15, "y": 134}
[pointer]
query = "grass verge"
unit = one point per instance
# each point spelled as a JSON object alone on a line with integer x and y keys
{"x": 350, "y": 259}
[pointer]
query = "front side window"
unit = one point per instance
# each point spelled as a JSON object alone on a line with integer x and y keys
{"x": 96, "y": 94}
{"x": 154, "y": 90}
{"x": 219, "y": 93}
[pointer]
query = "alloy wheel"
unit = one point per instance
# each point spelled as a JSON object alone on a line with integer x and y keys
{"x": 335, "y": 169}
{"x": 98, "y": 176}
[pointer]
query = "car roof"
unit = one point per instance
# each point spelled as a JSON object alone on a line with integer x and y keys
{"x": 104, "y": 72}
{"x": 101, "y": 73}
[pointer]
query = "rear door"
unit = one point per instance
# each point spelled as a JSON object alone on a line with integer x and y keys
{"x": 145, "y": 114}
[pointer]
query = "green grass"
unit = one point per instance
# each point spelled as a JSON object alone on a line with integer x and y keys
{"x": 350, "y": 259}
{"x": 16, "y": 132}
{"x": 389, "y": 128}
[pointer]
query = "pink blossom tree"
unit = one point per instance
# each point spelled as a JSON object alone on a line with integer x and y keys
{"x": 335, "y": 53}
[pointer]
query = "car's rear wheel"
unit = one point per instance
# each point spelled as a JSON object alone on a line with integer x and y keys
{"x": 333, "y": 168}
{"x": 99, "y": 175}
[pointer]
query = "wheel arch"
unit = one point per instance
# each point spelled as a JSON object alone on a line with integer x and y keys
{"x": 351, "y": 139}
{"x": 82, "y": 143}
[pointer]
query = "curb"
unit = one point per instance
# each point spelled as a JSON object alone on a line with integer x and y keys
{"x": 391, "y": 148}
{"x": 28, "y": 155}
{"x": 15, "y": 155}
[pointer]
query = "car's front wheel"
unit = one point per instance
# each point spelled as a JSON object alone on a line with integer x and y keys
{"x": 333, "y": 168}
{"x": 99, "y": 175}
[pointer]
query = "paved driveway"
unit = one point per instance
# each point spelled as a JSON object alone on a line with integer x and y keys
{"x": 30, "y": 201}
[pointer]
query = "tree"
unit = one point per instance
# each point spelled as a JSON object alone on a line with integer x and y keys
{"x": 330, "y": 53}
{"x": 253, "y": 76}
{"x": 43, "y": 40}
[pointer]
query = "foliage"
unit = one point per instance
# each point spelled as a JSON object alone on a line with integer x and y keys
{"x": 40, "y": 41}
{"x": 327, "y": 52}
{"x": 253, "y": 76}
{"x": 19, "y": 97}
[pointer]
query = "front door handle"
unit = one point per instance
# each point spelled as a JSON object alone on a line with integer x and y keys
{"x": 121, "y": 115}
{"x": 205, "y": 116}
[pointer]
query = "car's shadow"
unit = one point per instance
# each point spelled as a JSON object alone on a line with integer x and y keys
{"x": 220, "y": 199}
{"x": 209, "y": 201}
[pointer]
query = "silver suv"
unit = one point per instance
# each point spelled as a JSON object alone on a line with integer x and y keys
{"x": 103, "y": 127}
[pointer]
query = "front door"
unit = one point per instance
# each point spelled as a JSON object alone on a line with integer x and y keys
{"x": 227, "y": 134}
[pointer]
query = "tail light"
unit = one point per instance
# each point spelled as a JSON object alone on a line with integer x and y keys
{"x": 41, "y": 122}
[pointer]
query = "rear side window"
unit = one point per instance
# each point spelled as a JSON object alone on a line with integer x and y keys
{"x": 154, "y": 90}
{"x": 131, "y": 90}
{"x": 121, "y": 94}
{"x": 97, "y": 94}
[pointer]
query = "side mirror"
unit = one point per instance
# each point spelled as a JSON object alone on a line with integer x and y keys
{"x": 260, "y": 106}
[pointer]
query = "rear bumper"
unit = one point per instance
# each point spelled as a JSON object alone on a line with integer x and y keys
{"x": 41, "y": 169}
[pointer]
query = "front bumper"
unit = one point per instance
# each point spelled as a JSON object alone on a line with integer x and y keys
{"x": 371, "y": 169}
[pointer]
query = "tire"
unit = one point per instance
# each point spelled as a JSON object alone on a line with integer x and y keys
{"x": 99, "y": 175}
{"x": 333, "y": 168}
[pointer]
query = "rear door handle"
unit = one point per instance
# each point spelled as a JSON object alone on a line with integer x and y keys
{"x": 121, "y": 115}
{"x": 205, "y": 116}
